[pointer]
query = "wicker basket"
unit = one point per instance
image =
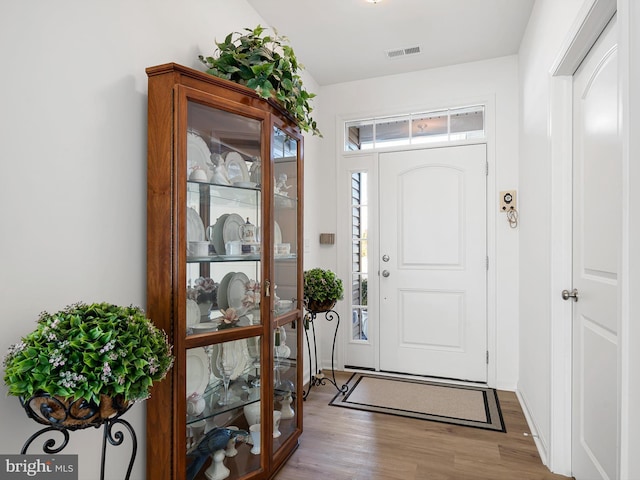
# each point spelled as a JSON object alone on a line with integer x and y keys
{"x": 73, "y": 414}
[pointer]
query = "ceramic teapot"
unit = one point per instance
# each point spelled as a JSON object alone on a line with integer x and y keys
{"x": 248, "y": 232}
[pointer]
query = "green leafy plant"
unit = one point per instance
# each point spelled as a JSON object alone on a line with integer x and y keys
{"x": 268, "y": 65}
{"x": 84, "y": 351}
{"x": 322, "y": 286}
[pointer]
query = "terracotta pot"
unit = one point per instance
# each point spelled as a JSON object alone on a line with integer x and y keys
{"x": 73, "y": 414}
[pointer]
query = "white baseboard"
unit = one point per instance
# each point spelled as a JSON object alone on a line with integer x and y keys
{"x": 541, "y": 443}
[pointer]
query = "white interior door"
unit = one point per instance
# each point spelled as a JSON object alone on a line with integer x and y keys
{"x": 597, "y": 241}
{"x": 433, "y": 271}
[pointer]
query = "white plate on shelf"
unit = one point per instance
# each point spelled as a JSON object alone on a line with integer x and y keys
{"x": 223, "y": 302}
{"x": 198, "y": 154}
{"x": 277, "y": 233}
{"x": 193, "y": 313}
{"x": 195, "y": 227}
{"x": 255, "y": 172}
{"x": 218, "y": 238}
{"x": 236, "y": 167}
{"x": 197, "y": 371}
{"x": 231, "y": 229}
{"x": 237, "y": 290}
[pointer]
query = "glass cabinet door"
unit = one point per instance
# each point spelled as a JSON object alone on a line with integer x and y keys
{"x": 286, "y": 207}
{"x": 285, "y": 384}
{"x": 223, "y": 272}
{"x": 285, "y": 224}
{"x": 223, "y": 220}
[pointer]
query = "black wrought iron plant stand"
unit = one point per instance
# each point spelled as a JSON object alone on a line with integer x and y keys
{"x": 80, "y": 414}
{"x": 318, "y": 378}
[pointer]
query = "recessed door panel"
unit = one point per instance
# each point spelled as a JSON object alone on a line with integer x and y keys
{"x": 431, "y": 320}
{"x": 431, "y": 237}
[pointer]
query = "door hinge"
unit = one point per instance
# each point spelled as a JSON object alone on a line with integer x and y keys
{"x": 486, "y": 168}
{"x": 487, "y": 357}
{"x": 487, "y": 262}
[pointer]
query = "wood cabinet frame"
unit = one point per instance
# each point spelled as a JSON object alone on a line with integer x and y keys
{"x": 166, "y": 253}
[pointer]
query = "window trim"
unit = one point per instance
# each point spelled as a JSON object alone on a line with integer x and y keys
{"x": 409, "y": 141}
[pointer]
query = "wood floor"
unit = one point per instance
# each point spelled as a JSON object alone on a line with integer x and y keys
{"x": 344, "y": 444}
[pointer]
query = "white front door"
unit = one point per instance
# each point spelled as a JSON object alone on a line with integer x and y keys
{"x": 433, "y": 272}
{"x": 597, "y": 241}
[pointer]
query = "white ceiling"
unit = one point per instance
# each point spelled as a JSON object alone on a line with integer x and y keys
{"x": 344, "y": 40}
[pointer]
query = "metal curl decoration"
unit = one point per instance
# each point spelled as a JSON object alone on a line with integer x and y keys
{"x": 64, "y": 417}
{"x": 49, "y": 445}
{"x": 50, "y": 410}
{"x": 319, "y": 378}
{"x": 116, "y": 439}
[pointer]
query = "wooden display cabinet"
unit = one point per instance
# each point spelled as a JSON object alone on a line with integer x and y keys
{"x": 224, "y": 231}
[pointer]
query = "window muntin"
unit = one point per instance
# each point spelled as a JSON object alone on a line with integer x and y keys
{"x": 447, "y": 125}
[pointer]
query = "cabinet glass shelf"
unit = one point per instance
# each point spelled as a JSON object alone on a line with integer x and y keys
{"x": 236, "y": 258}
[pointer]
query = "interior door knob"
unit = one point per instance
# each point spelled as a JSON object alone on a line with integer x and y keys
{"x": 385, "y": 273}
{"x": 566, "y": 294}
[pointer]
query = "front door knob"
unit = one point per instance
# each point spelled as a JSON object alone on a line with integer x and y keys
{"x": 566, "y": 294}
{"x": 385, "y": 273}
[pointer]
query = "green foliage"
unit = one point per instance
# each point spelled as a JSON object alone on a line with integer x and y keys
{"x": 268, "y": 65}
{"x": 87, "y": 350}
{"x": 322, "y": 285}
{"x": 364, "y": 285}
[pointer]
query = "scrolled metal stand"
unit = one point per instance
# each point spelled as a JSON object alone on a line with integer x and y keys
{"x": 318, "y": 378}
{"x": 53, "y": 417}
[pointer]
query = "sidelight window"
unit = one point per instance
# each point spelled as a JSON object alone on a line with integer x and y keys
{"x": 359, "y": 270}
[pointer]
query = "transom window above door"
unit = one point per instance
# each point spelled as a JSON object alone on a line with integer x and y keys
{"x": 446, "y": 125}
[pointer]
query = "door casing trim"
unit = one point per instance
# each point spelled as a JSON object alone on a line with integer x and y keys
{"x": 591, "y": 21}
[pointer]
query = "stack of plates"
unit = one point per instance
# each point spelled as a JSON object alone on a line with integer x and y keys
{"x": 226, "y": 229}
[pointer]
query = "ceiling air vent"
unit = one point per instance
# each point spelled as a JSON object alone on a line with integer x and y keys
{"x": 403, "y": 52}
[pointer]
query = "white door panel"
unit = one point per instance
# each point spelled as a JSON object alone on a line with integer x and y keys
{"x": 597, "y": 242}
{"x": 433, "y": 228}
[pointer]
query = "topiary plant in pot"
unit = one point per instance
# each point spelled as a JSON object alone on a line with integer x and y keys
{"x": 268, "y": 65}
{"x": 322, "y": 289}
{"x": 86, "y": 363}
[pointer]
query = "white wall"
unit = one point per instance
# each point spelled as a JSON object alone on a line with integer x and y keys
{"x": 494, "y": 81}
{"x": 546, "y": 34}
{"x": 548, "y": 26}
{"x": 73, "y": 164}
